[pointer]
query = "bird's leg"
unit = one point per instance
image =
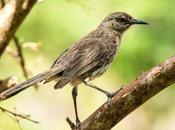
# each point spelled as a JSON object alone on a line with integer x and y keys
{"x": 108, "y": 94}
{"x": 74, "y": 95}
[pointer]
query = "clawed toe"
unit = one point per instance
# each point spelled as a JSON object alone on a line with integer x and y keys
{"x": 73, "y": 126}
{"x": 111, "y": 95}
{"x": 78, "y": 125}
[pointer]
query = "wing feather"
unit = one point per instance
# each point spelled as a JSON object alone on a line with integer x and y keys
{"x": 89, "y": 55}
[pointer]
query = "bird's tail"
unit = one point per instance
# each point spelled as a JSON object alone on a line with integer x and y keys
{"x": 38, "y": 78}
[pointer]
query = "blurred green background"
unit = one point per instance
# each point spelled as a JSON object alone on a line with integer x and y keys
{"x": 55, "y": 25}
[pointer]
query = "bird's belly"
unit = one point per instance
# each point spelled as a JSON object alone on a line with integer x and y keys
{"x": 95, "y": 72}
{"x": 91, "y": 75}
{"x": 100, "y": 71}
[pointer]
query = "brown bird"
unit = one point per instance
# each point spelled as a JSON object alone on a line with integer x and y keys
{"x": 87, "y": 59}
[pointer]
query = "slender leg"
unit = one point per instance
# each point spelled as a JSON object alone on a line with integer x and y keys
{"x": 108, "y": 94}
{"x": 74, "y": 95}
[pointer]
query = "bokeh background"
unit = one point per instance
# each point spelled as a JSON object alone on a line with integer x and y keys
{"x": 54, "y": 25}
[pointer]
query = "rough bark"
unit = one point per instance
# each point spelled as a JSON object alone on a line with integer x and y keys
{"x": 12, "y": 15}
{"x": 131, "y": 96}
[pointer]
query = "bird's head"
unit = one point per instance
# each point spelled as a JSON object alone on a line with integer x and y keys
{"x": 120, "y": 21}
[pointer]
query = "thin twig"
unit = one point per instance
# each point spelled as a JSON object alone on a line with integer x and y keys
{"x": 72, "y": 125}
{"x": 26, "y": 117}
{"x": 20, "y": 56}
{"x": 15, "y": 120}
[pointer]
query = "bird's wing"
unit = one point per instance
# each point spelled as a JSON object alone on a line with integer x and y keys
{"x": 65, "y": 58}
{"x": 90, "y": 54}
{"x": 61, "y": 56}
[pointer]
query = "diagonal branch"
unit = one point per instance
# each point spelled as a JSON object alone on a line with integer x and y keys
{"x": 131, "y": 97}
{"x": 26, "y": 117}
{"x": 12, "y": 15}
{"x": 20, "y": 57}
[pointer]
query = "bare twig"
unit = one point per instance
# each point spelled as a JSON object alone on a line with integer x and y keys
{"x": 26, "y": 117}
{"x": 16, "y": 120}
{"x": 20, "y": 57}
{"x": 72, "y": 125}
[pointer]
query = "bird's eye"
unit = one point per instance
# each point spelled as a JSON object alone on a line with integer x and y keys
{"x": 121, "y": 20}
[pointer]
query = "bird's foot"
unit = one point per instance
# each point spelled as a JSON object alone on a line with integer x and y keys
{"x": 78, "y": 124}
{"x": 111, "y": 95}
{"x": 74, "y": 126}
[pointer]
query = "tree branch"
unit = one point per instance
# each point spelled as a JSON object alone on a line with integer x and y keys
{"x": 131, "y": 97}
{"x": 26, "y": 117}
{"x": 12, "y": 15}
{"x": 20, "y": 57}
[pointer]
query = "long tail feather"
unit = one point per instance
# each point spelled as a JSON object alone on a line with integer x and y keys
{"x": 38, "y": 78}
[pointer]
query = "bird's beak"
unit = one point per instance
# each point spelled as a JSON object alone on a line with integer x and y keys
{"x": 135, "y": 21}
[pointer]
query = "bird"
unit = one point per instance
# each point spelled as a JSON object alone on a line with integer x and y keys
{"x": 86, "y": 60}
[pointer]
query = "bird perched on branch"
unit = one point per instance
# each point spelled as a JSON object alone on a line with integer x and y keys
{"x": 87, "y": 59}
